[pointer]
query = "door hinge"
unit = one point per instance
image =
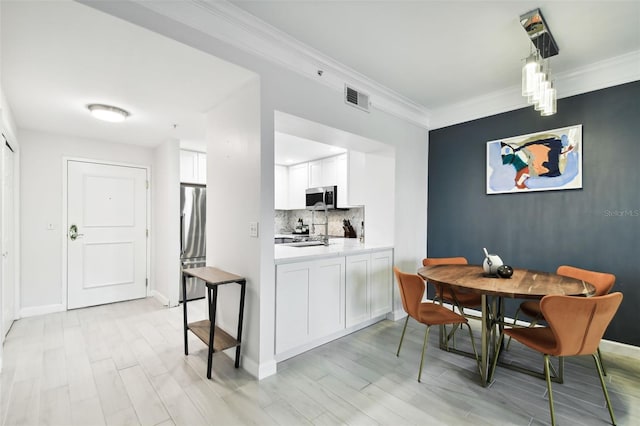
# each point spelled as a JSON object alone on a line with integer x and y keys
{"x": 146, "y": 282}
{"x": 147, "y": 184}
{"x": 147, "y": 233}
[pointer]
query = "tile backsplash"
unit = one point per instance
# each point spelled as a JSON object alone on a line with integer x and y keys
{"x": 286, "y": 220}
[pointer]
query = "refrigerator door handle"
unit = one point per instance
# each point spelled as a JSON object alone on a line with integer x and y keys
{"x": 182, "y": 235}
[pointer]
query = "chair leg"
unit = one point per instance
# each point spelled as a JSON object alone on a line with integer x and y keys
{"x": 601, "y": 362}
{"x": 596, "y": 358}
{"x": 424, "y": 347}
{"x": 515, "y": 320}
{"x": 547, "y": 376}
{"x": 402, "y": 337}
{"x": 475, "y": 352}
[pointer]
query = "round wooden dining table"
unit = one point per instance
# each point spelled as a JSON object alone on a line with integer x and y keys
{"x": 523, "y": 284}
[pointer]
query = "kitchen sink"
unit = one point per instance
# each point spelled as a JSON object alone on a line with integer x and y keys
{"x": 305, "y": 243}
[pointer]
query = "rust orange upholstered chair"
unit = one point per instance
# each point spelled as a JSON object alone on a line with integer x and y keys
{"x": 602, "y": 281}
{"x": 448, "y": 295}
{"x": 412, "y": 289}
{"x": 576, "y": 326}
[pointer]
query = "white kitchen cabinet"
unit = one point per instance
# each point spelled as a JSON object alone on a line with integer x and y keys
{"x": 292, "y": 307}
{"x": 315, "y": 174}
{"x": 358, "y": 270}
{"x": 281, "y": 187}
{"x": 368, "y": 286}
{"x": 346, "y": 171}
{"x": 381, "y": 283}
{"x": 202, "y": 168}
{"x": 309, "y": 301}
{"x": 298, "y": 183}
{"x": 326, "y": 300}
{"x": 193, "y": 167}
{"x": 356, "y": 179}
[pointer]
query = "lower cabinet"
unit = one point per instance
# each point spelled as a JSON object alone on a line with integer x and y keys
{"x": 317, "y": 299}
{"x": 368, "y": 286}
{"x": 309, "y": 301}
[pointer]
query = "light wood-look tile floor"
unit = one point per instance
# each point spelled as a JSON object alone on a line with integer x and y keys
{"x": 123, "y": 364}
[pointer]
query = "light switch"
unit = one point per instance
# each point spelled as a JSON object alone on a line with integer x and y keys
{"x": 253, "y": 229}
{"x": 50, "y": 227}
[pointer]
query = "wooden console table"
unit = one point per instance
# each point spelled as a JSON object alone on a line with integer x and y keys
{"x": 213, "y": 277}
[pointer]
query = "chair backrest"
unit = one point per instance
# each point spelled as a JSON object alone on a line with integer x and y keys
{"x": 411, "y": 291}
{"x": 430, "y": 261}
{"x": 578, "y": 323}
{"x": 602, "y": 281}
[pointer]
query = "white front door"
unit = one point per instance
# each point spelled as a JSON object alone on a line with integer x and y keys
{"x": 106, "y": 233}
{"x": 8, "y": 277}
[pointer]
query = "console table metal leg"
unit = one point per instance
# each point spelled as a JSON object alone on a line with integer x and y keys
{"x": 184, "y": 314}
{"x": 243, "y": 286}
{"x": 212, "y": 297}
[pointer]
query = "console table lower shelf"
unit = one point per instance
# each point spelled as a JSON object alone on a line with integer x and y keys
{"x": 213, "y": 277}
{"x": 221, "y": 339}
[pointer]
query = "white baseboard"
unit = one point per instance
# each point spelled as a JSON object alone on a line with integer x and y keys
{"x": 290, "y": 353}
{"x": 266, "y": 369}
{"x": 161, "y": 297}
{"x": 396, "y": 315}
{"x": 33, "y": 311}
{"x": 619, "y": 349}
{"x": 605, "y": 345}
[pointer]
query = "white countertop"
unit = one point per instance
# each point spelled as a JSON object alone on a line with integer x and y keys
{"x": 337, "y": 247}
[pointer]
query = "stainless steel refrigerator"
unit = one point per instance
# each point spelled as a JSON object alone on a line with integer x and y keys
{"x": 192, "y": 235}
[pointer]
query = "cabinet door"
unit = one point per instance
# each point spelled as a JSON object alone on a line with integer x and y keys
{"x": 298, "y": 183}
{"x": 381, "y": 283}
{"x": 356, "y": 178}
{"x": 326, "y": 300}
{"x": 202, "y": 168}
{"x": 281, "y": 188}
{"x": 188, "y": 166}
{"x": 357, "y": 289}
{"x": 341, "y": 180}
{"x": 315, "y": 174}
{"x": 292, "y": 312}
{"x": 330, "y": 171}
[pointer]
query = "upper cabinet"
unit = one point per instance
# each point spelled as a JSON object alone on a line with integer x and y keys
{"x": 346, "y": 171}
{"x": 298, "y": 183}
{"x": 281, "y": 187}
{"x": 193, "y": 167}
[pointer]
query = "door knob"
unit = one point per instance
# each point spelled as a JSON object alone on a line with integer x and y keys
{"x": 73, "y": 233}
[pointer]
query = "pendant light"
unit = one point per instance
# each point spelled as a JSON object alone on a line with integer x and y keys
{"x": 537, "y": 86}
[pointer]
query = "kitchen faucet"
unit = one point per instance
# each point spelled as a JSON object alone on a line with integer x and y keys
{"x": 323, "y": 238}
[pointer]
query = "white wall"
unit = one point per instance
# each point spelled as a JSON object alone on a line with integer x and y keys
{"x": 292, "y": 93}
{"x": 233, "y": 200}
{"x": 379, "y": 212}
{"x": 165, "y": 223}
{"x": 41, "y": 203}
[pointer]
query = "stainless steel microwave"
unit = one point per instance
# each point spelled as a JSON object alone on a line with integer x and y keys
{"x": 318, "y": 198}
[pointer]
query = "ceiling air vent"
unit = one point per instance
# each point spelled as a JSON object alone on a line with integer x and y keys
{"x": 357, "y": 99}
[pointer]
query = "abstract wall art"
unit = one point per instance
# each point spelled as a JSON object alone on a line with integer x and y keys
{"x": 543, "y": 161}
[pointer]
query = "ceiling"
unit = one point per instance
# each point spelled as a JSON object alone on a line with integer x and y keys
{"x": 438, "y": 53}
{"x": 57, "y": 57}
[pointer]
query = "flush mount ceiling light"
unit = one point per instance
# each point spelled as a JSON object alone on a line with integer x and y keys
{"x": 537, "y": 85}
{"x": 108, "y": 113}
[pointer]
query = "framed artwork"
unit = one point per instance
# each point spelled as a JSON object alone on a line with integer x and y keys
{"x": 543, "y": 161}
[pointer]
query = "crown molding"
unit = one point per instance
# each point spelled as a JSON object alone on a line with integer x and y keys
{"x": 222, "y": 20}
{"x": 599, "y": 75}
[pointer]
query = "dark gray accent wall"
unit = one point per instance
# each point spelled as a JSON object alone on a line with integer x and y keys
{"x": 597, "y": 227}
